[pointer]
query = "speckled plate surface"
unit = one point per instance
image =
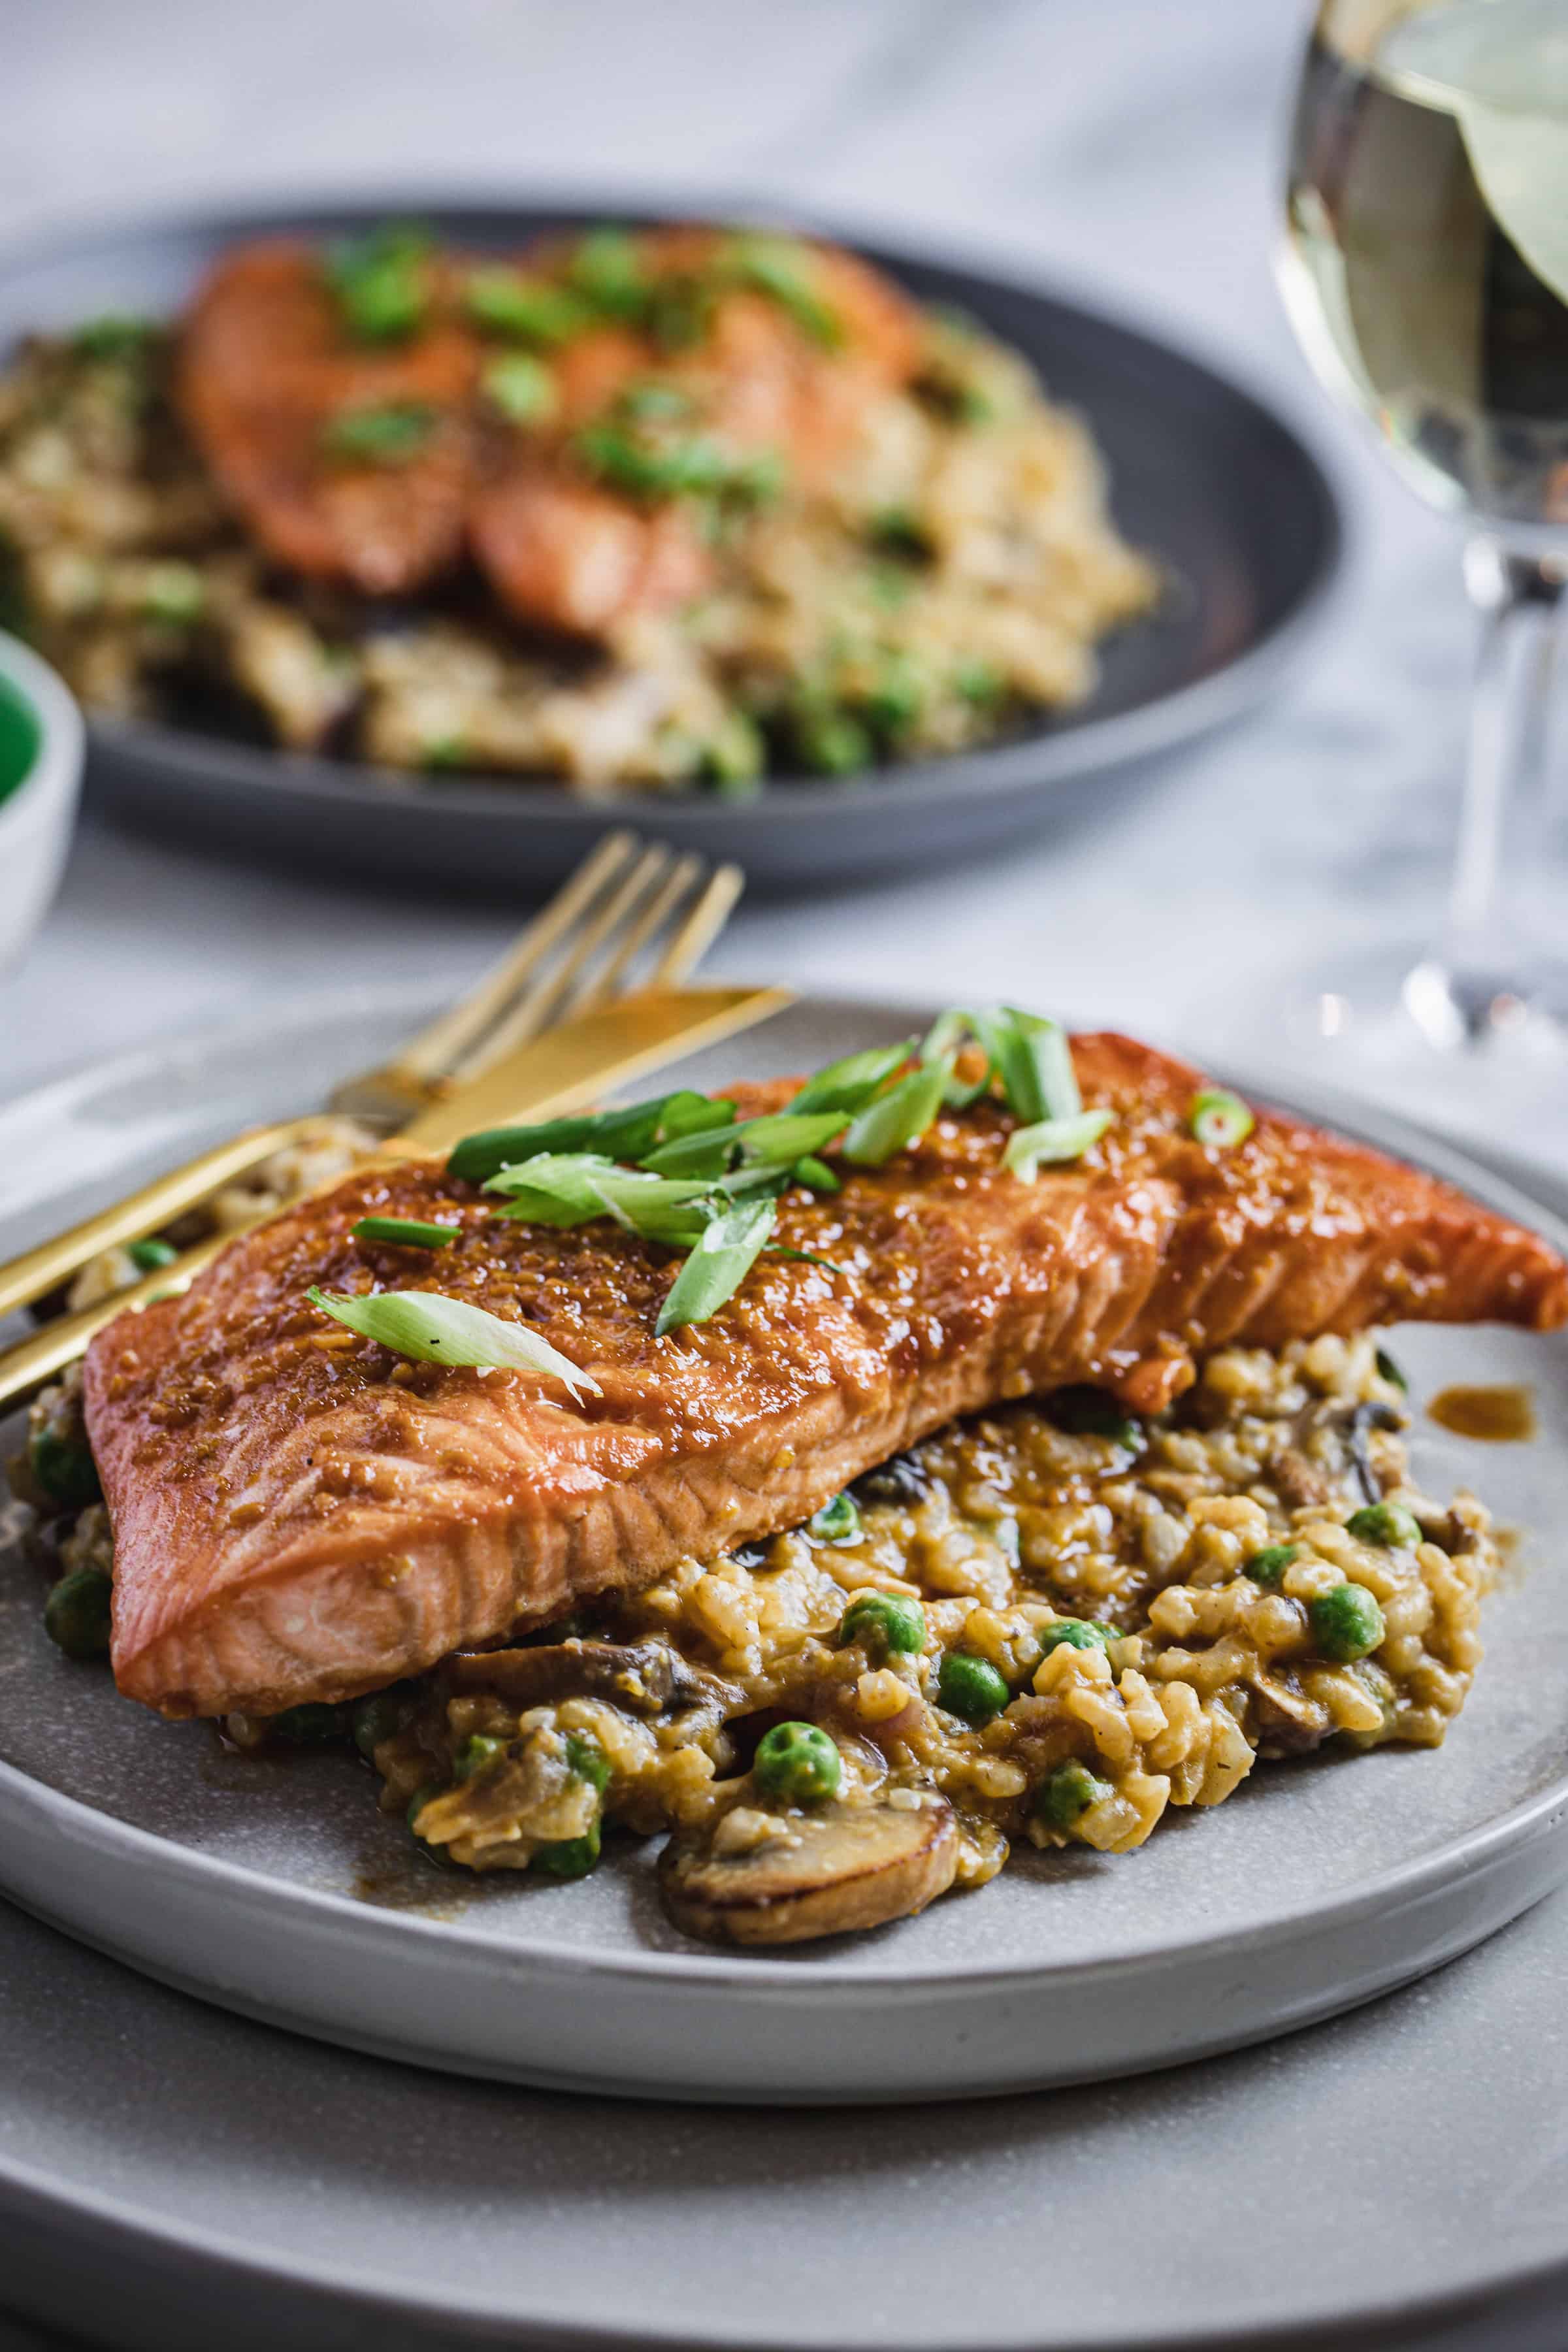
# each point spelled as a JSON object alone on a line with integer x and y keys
{"x": 278, "y": 1890}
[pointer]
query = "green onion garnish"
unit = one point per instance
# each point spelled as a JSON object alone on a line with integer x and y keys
{"x": 606, "y": 271}
{"x": 434, "y": 1330}
{"x": 1219, "y": 1118}
{"x": 781, "y": 268}
{"x": 784, "y": 1136}
{"x": 617, "y": 1134}
{"x": 386, "y": 435}
{"x": 521, "y": 387}
{"x": 719, "y": 1263}
{"x": 897, "y": 1118}
{"x": 408, "y": 1233}
{"x": 1052, "y": 1140}
{"x": 530, "y": 310}
{"x": 849, "y": 1085}
{"x": 382, "y": 281}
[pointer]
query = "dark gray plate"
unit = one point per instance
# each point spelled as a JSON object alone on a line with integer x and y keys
{"x": 1203, "y": 476}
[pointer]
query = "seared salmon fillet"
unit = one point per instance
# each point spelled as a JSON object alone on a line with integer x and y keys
{"x": 300, "y": 1515}
{"x": 266, "y": 377}
{"x": 269, "y": 374}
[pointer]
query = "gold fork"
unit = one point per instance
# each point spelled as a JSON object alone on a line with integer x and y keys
{"x": 629, "y": 906}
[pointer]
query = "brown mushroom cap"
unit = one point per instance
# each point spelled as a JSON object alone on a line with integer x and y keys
{"x": 843, "y": 1867}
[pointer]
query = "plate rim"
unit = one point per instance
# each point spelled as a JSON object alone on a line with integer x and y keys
{"x": 1352, "y": 1904}
{"x": 999, "y": 774}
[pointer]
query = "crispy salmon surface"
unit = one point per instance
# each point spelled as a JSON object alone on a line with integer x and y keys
{"x": 300, "y": 1515}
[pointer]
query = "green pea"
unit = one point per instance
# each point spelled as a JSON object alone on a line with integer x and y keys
{"x": 979, "y": 682}
{"x": 1067, "y": 1791}
{"x": 1268, "y": 1567}
{"x": 309, "y": 1725}
{"x": 58, "y": 1455}
{"x": 419, "y": 1800}
{"x": 475, "y": 1753}
{"x": 376, "y": 1717}
{"x": 588, "y": 1760}
{"x": 1386, "y": 1524}
{"x": 797, "y": 1761}
{"x": 569, "y": 1857}
{"x": 734, "y": 755}
{"x": 832, "y": 743}
{"x": 174, "y": 593}
{"x": 1077, "y": 1634}
{"x": 971, "y": 1687}
{"x": 889, "y": 1624}
{"x": 837, "y": 1522}
{"x": 1346, "y": 1622}
{"x": 149, "y": 1256}
{"x": 76, "y": 1614}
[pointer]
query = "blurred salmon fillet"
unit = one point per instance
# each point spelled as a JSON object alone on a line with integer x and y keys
{"x": 299, "y": 1516}
{"x": 268, "y": 367}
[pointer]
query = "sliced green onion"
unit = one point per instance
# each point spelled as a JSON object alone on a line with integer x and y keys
{"x": 1035, "y": 1060}
{"x": 532, "y": 310}
{"x": 1052, "y": 1140}
{"x": 779, "y": 1136}
{"x": 389, "y": 434}
{"x": 781, "y": 268}
{"x": 1219, "y": 1118}
{"x": 942, "y": 1043}
{"x": 816, "y": 1175}
{"x": 606, "y": 270}
{"x": 409, "y": 1233}
{"x": 618, "y": 1134}
{"x": 849, "y": 1085}
{"x": 717, "y": 1264}
{"x": 521, "y": 387}
{"x": 897, "y": 1118}
{"x": 381, "y": 280}
{"x": 434, "y": 1330}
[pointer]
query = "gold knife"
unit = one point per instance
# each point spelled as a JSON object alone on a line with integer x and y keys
{"x": 568, "y": 1066}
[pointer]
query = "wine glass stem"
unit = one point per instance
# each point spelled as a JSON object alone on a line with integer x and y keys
{"x": 1488, "y": 952}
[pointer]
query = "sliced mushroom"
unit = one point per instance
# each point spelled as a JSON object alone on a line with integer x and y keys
{"x": 645, "y": 1677}
{"x": 821, "y": 1873}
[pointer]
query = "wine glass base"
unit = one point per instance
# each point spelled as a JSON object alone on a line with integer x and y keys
{"x": 1387, "y": 1010}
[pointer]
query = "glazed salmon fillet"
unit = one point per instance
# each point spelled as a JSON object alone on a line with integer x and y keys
{"x": 268, "y": 370}
{"x": 300, "y": 1515}
{"x": 264, "y": 372}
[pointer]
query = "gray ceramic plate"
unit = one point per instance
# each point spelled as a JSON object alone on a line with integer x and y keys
{"x": 1204, "y": 477}
{"x": 278, "y": 1890}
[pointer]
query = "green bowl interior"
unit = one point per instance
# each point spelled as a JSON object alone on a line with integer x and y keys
{"x": 20, "y": 736}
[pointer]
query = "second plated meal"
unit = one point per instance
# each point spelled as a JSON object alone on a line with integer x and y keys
{"x": 981, "y": 1440}
{"x": 668, "y": 508}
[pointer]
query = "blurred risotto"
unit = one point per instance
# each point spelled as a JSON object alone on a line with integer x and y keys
{"x": 668, "y": 509}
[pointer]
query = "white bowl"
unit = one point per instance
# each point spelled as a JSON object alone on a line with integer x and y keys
{"x": 37, "y": 817}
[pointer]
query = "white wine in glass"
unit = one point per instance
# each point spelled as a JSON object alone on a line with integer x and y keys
{"x": 1425, "y": 271}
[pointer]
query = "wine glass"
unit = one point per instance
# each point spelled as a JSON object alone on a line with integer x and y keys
{"x": 1425, "y": 271}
